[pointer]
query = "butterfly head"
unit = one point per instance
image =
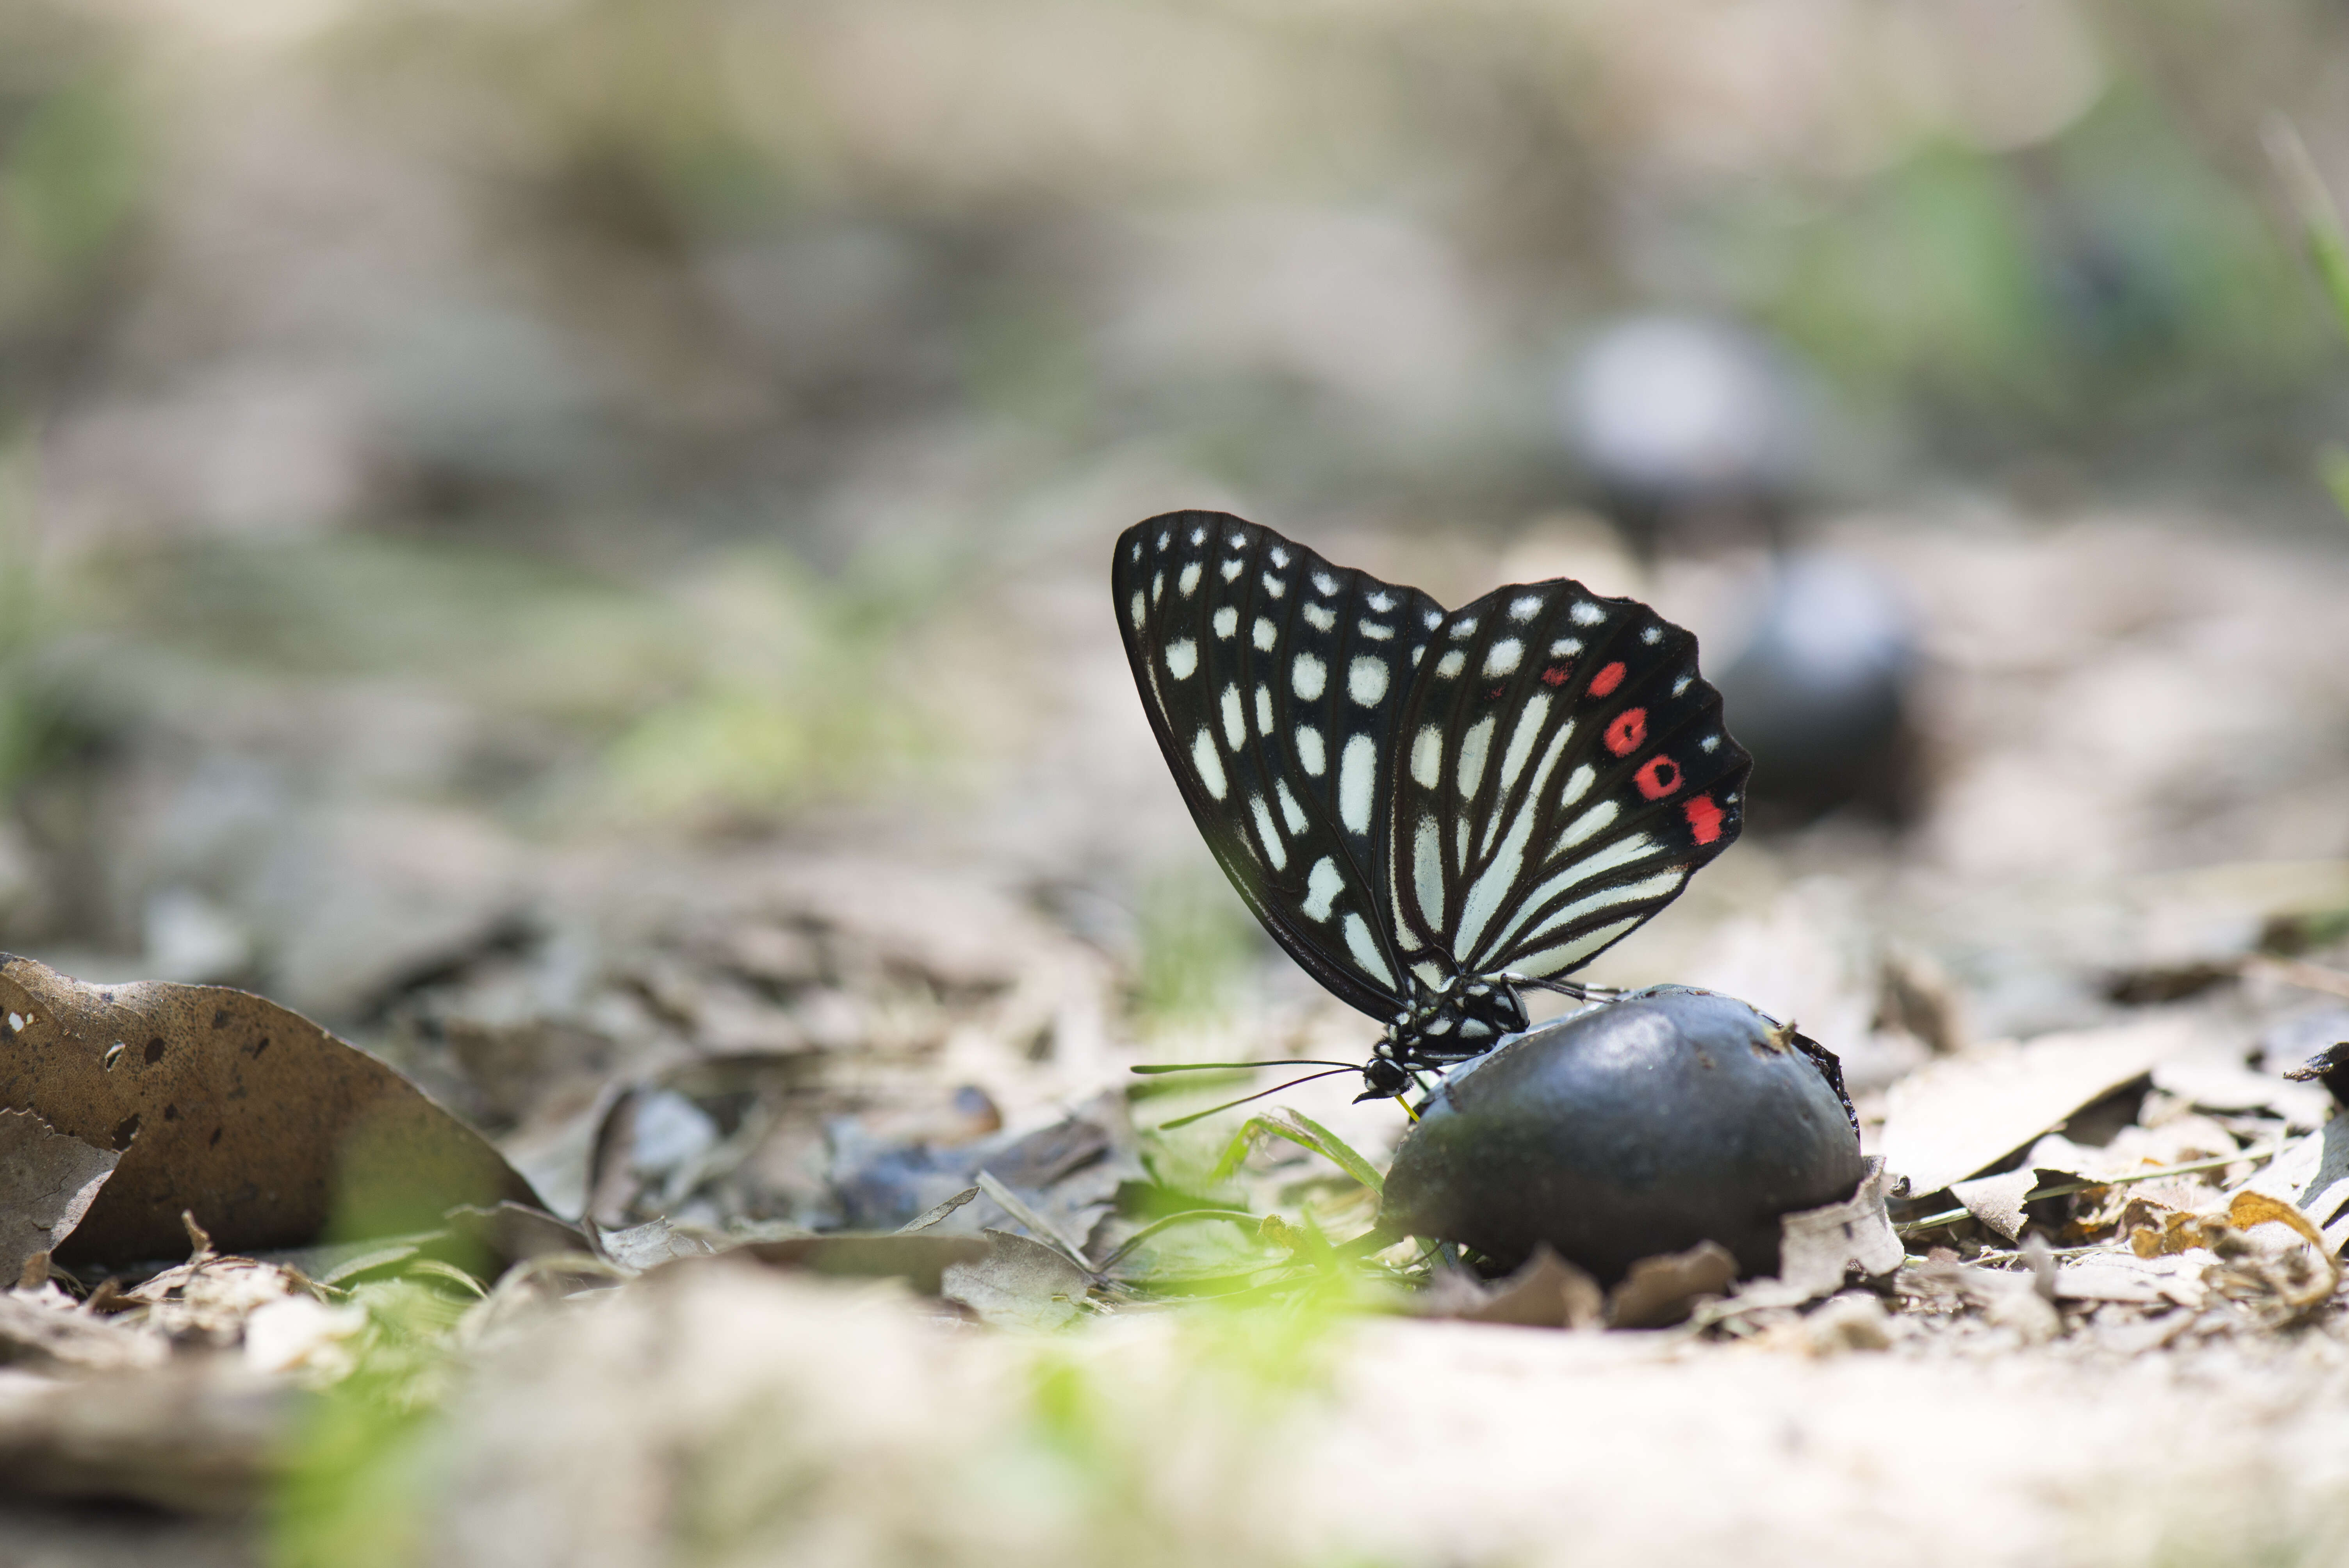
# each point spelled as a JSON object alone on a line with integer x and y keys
{"x": 1462, "y": 1018}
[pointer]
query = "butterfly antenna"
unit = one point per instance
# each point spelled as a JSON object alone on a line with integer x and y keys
{"x": 1277, "y": 1062}
{"x": 1292, "y": 1083}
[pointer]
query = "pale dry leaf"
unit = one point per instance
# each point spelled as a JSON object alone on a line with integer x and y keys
{"x": 48, "y": 1183}
{"x": 1957, "y": 1115}
{"x": 1018, "y": 1283}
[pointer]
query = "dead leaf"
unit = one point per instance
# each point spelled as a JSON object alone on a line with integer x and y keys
{"x": 198, "y": 1435}
{"x": 643, "y": 1246}
{"x": 1661, "y": 1290}
{"x": 1018, "y": 1283}
{"x": 1957, "y": 1115}
{"x": 1548, "y": 1292}
{"x": 921, "y": 1261}
{"x": 223, "y": 1103}
{"x": 1997, "y": 1200}
{"x": 2313, "y": 1176}
{"x": 50, "y": 1328}
{"x": 48, "y": 1183}
{"x": 1819, "y": 1248}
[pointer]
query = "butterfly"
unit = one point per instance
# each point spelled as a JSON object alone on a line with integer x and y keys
{"x": 1428, "y": 809}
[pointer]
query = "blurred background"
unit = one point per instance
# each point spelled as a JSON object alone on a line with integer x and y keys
{"x": 474, "y": 477}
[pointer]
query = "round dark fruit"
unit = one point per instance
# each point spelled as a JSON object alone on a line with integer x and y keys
{"x": 1633, "y": 1128}
{"x": 1823, "y": 691}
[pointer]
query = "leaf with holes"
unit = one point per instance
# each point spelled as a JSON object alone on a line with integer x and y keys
{"x": 266, "y": 1127}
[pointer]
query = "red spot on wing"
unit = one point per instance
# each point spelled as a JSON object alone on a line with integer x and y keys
{"x": 1657, "y": 776}
{"x": 1607, "y": 679}
{"x": 1558, "y": 674}
{"x": 1704, "y": 819}
{"x": 1629, "y": 728}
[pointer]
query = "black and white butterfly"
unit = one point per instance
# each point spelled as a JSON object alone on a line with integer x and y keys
{"x": 1428, "y": 809}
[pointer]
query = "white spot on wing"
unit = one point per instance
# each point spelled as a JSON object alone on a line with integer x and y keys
{"x": 1366, "y": 680}
{"x": 1358, "y": 772}
{"x": 1324, "y": 583}
{"x": 1308, "y": 678}
{"x": 1588, "y": 870}
{"x": 1135, "y": 553}
{"x": 1189, "y": 581}
{"x": 1182, "y": 658}
{"x": 1527, "y": 608}
{"x": 1558, "y": 960}
{"x": 1232, "y": 570}
{"x": 1473, "y": 747}
{"x": 1450, "y": 665}
{"x": 1585, "y": 825}
{"x": 1710, "y": 743}
{"x": 1266, "y": 834}
{"x": 1210, "y": 765}
{"x": 1522, "y": 738}
{"x": 1227, "y": 621}
{"x": 1377, "y": 633}
{"x": 1586, "y": 614}
{"x": 1577, "y": 785}
{"x": 1274, "y": 585}
{"x": 1263, "y": 708}
{"x": 1681, "y": 685}
{"x": 1279, "y": 557}
{"x": 1309, "y": 752}
{"x": 1264, "y": 633}
{"x": 1198, "y": 536}
{"x": 1435, "y": 619}
{"x": 1427, "y": 868}
{"x": 1462, "y": 630}
{"x": 1653, "y": 635}
{"x": 1365, "y": 949}
{"x": 1139, "y": 611}
{"x": 1381, "y": 602}
{"x": 1566, "y": 647}
{"x": 1234, "y": 725}
{"x": 1427, "y": 756}
{"x": 1290, "y": 812}
{"x": 1323, "y": 885}
{"x": 1320, "y": 617}
{"x": 1503, "y": 656}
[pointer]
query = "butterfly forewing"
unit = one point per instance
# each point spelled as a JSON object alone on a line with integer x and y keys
{"x": 1561, "y": 771}
{"x": 1275, "y": 682}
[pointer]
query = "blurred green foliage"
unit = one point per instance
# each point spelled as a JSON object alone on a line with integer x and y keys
{"x": 74, "y": 177}
{"x": 2068, "y": 289}
{"x": 361, "y": 1464}
{"x": 2327, "y": 243}
{"x": 1196, "y": 942}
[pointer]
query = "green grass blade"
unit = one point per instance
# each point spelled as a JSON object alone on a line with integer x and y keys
{"x": 1340, "y": 1153}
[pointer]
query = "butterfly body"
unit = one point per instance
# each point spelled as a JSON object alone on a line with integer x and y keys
{"x": 1428, "y": 809}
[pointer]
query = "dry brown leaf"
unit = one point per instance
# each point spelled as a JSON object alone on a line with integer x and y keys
{"x": 222, "y": 1103}
{"x": 1546, "y": 1293}
{"x": 1662, "y": 1291}
{"x": 48, "y": 1183}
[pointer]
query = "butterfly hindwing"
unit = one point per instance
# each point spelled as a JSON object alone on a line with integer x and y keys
{"x": 1275, "y": 682}
{"x": 1562, "y": 770}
